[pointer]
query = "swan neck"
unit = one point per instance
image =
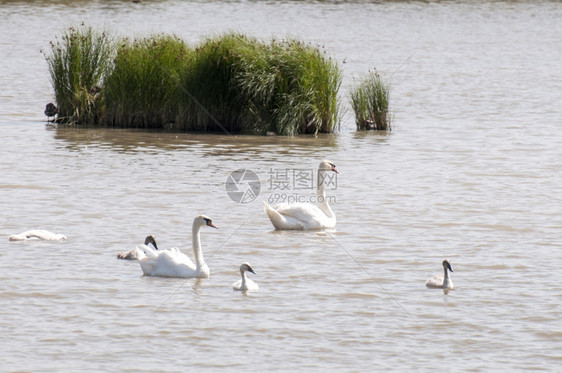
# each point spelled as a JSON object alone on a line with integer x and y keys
{"x": 243, "y": 274}
{"x": 196, "y": 243}
{"x": 446, "y": 278}
{"x": 321, "y": 193}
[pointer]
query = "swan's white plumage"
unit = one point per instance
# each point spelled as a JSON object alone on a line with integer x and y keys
{"x": 37, "y": 234}
{"x": 442, "y": 282}
{"x": 167, "y": 263}
{"x": 303, "y": 216}
{"x": 245, "y": 284}
{"x": 174, "y": 263}
{"x": 298, "y": 216}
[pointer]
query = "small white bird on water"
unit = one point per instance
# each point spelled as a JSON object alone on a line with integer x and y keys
{"x": 37, "y": 234}
{"x": 245, "y": 284}
{"x": 442, "y": 282}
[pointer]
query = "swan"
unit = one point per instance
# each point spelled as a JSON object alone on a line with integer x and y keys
{"x": 37, "y": 234}
{"x": 245, "y": 284}
{"x": 174, "y": 263}
{"x": 442, "y": 282}
{"x": 138, "y": 253}
{"x": 302, "y": 216}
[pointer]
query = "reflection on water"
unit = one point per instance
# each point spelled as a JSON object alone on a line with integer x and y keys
{"x": 130, "y": 140}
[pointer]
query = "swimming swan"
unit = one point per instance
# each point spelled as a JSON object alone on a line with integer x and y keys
{"x": 442, "y": 282}
{"x": 245, "y": 284}
{"x": 305, "y": 215}
{"x": 174, "y": 263}
{"x": 37, "y": 234}
{"x": 138, "y": 253}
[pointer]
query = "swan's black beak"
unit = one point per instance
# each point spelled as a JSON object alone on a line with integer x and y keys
{"x": 155, "y": 246}
{"x": 251, "y": 270}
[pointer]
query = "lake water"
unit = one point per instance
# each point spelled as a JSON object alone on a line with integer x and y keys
{"x": 472, "y": 171}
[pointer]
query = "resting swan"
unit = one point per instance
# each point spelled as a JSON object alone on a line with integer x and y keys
{"x": 439, "y": 282}
{"x": 245, "y": 284}
{"x": 174, "y": 263}
{"x": 37, "y": 234}
{"x": 138, "y": 253}
{"x": 305, "y": 215}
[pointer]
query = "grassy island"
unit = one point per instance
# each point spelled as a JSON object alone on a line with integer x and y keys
{"x": 231, "y": 83}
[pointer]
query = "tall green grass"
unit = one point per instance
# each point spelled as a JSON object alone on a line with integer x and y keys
{"x": 143, "y": 88}
{"x": 230, "y": 82}
{"x": 78, "y": 63}
{"x": 370, "y": 102}
{"x": 210, "y": 100}
{"x": 291, "y": 87}
{"x": 244, "y": 85}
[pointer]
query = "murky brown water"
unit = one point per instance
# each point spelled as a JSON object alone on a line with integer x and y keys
{"x": 472, "y": 172}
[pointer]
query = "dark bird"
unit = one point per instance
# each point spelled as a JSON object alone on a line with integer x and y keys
{"x": 50, "y": 111}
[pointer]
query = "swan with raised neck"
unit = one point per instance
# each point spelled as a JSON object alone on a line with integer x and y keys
{"x": 245, "y": 284}
{"x": 445, "y": 282}
{"x": 174, "y": 263}
{"x": 301, "y": 216}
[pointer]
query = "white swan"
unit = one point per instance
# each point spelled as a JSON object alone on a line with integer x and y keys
{"x": 37, "y": 234}
{"x": 245, "y": 284}
{"x": 138, "y": 253}
{"x": 174, "y": 263}
{"x": 442, "y": 282}
{"x": 305, "y": 215}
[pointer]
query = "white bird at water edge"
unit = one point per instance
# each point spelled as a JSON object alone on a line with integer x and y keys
{"x": 174, "y": 263}
{"x": 37, "y": 234}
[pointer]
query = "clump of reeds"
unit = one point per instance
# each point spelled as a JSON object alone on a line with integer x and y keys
{"x": 291, "y": 87}
{"x": 244, "y": 85}
{"x": 210, "y": 100}
{"x": 230, "y": 82}
{"x": 370, "y": 101}
{"x": 77, "y": 64}
{"x": 143, "y": 88}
